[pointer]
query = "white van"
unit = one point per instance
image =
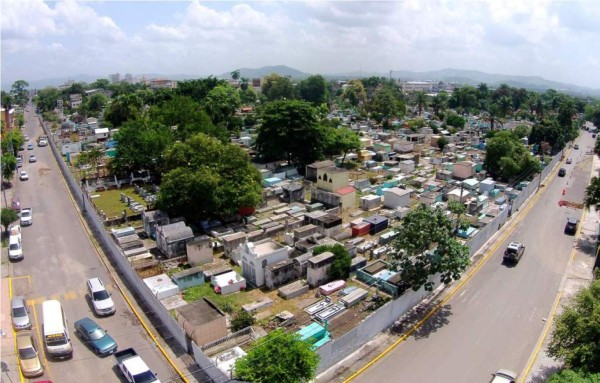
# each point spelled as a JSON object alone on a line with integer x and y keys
{"x": 55, "y": 330}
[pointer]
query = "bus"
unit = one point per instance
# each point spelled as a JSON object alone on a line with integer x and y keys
{"x": 56, "y": 331}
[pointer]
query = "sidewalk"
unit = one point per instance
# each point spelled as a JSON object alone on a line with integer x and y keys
{"x": 9, "y": 364}
{"x": 577, "y": 276}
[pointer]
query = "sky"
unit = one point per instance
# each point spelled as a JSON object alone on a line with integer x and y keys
{"x": 557, "y": 40}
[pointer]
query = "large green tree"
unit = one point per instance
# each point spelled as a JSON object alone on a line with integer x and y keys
{"x": 221, "y": 102}
{"x": 387, "y": 104}
{"x": 506, "y": 157}
{"x": 277, "y": 87}
{"x": 8, "y": 166}
{"x": 7, "y": 217}
{"x": 425, "y": 246}
{"x": 141, "y": 145}
{"x": 278, "y": 357}
{"x": 576, "y": 336}
{"x": 19, "y": 92}
{"x": 198, "y": 89}
{"x": 314, "y": 90}
{"x": 355, "y": 93}
{"x": 290, "y": 131}
{"x": 123, "y": 108}
{"x": 207, "y": 178}
{"x": 340, "y": 141}
{"x": 340, "y": 268}
{"x": 592, "y": 194}
{"x": 46, "y": 98}
{"x": 570, "y": 376}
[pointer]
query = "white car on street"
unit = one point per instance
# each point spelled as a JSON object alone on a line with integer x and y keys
{"x": 15, "y": 249}
{"x": 26, "y": 217}
{"x": 23, "y": 176}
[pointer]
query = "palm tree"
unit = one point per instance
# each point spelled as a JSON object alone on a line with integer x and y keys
{"x": 592, "y": 194}
{"x": 235, "y": 75}
{"x": 505, "y": 105}
{"x": 420, "y": 100}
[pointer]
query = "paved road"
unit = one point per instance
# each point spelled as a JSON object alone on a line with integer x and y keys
{"x": 59, "y": 258}
{"x": 495, "y": 320}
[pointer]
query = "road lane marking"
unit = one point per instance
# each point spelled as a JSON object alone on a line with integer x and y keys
{"x": 503, "y": 236}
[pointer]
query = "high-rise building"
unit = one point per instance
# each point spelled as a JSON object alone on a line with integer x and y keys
{"x": 114, "y": 78}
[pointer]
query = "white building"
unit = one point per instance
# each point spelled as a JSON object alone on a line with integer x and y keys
{"x": 257, "y": 256}
{"x": 395, "y": 197}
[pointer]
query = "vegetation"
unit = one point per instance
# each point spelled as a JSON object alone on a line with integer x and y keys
{"x": 576, "y": 339}
{"x": 570, "y": 376}
{"x": 8, "y": 217}
{"x": 340, "y": 268}
{"x": 507, "y": 158}
{"x": 278, "y": 357}
{"x": 425, "y": 246}
{"x": 592, "y": 194}
{"x": 241, "y": 319}
{"x": 442, "y": 142}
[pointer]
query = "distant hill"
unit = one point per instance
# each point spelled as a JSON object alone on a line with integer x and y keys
{"x": 459, "y": 76}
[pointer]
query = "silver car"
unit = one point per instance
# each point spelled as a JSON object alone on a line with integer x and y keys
{"x": 19, "y": 314}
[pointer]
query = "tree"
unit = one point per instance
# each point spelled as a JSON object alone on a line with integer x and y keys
{"x": 199, "y": 88}
{"x": 276, "y": 87}
{"x": 8, "y": 166}
{"x": 455, "y": 120}
{"x": 122, "y": 109}
{"x": 290, "y": 131}
{"x": 521, "y": 131}
{"x": 241, "y": 320}
{"x": 458, "y": 209}
{"x": 355, "y": 93}
{"x": 221, "y": 102}
{"x": 278, "y": 357}
{"x": 235, "y": 75}
{"x": 101, "y": 83}
{"x": 442, "y": 141}
{"x": 387, "y": 104}
{"x": 247, "y": 96}
{"x": 12, "y": 141}
{"x": 341, "y": 141}
{"x": 19, "y": 92}
{"x": 420, "y": 101}
{"x": 425, "y": 247}
{"x": 206, "y": 178}
{"x": 438, "y": 103}
{"x": 314, "y": 90}
{"x": 592, "y": 194}
{"x": 46, "y": 98}
{"x": 8, "y": 217}
{"x": 506, "y": 157}
{"x": 96, "y": 102}
{"x": 576, "y": 339}
{"x": 340, "y": 268}
{"x": 570, "y": 376}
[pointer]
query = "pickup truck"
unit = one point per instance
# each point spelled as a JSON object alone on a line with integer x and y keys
{"x": 134, "y": 368}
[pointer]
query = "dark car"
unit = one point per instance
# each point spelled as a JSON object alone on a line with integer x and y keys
{"x": 15, "y": 204}
{"x": 576, "y": 147}
{"x": 571, "y": 226}
{"x": 562, "y": 172}
{"x": 95, "y": 337}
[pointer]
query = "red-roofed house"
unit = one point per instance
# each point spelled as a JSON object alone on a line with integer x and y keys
{"x": 332, "y": 188}
{"x": 347, "y": 196}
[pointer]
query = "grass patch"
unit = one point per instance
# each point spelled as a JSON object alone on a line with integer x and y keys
{"x": 109, "y": 201}
{"x": 222, "y": 301}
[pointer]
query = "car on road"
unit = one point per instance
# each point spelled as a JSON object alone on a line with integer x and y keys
{"x": 30, "y": 147}
{"x": 15, "y": 230}
{"x": 26, "y": 137}
{"x": 504, "y": 376}
{"x": 22, "y": 147}
{"x": 42, "y": 143}
{"x": 15, "y": 204}
{"x": 571, "y": 226}
{"x": 29, "y": 360}
{"x": 576, "y": 146}
{"x": 562, "y": 172}
{"x": 569, "y": 161}
{"x": 32, "y": 158}
{"x": 513, "y": 252}
{"x": 15, "y": 249}
{"x": 19, "y": 162}
{"x": 23, "y": 176}
{"x": 26, "y": 216}
{"x": 95, "y": 337}
{"x": 20, "y": 314}
{"x": 101, "y": 299}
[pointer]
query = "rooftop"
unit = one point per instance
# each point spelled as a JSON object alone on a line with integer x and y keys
{"x": 200, "y": 312}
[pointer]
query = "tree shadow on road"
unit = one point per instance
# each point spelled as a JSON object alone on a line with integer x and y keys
{"x": 435, "y": 322}
{"x": 587, "y": 244}
{"x": 543, "y": 374}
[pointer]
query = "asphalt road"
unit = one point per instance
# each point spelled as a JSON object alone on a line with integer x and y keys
{"x": 59, "y": 258}
{"x": 496, "y": 318}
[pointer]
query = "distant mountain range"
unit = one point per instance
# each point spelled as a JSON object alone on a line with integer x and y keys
{"x": 458, "y": 76}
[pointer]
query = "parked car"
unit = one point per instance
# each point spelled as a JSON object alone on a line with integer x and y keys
{"x": 32, "y": 158}
{"x": 576, "y": 146}
{"x": 513, "y": 253}
{"x": 504, "y": 376}
{"x": 29, "y": 360}
{"x": 26, "y": 137}
{"x": 42, "y": 143}
{"x": 15, "y": 230}
{"x": 19, "y": 314}
{"x": 15, "y": 204}
{"x": 571, "y": 226}
{"x": 19, "y": 162}
{"x": 22, "y": 147}
{"x": 101, "y": 299}
{"x": 26, "y": 216}
{"x": 569, "y": 161}
{"x": 15, "y": 249}
{"x": 95, "y": 337}
{"x": 23, "y": 176}
{"x": 30, "y": 147}
{"x": 562, "y": 172}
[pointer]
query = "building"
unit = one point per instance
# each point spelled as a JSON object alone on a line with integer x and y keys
{"x": 332, "y": 188}
{"x": 280, "y": 273}
{"x": 257, "y": 256}
{"x": 395, "y": 197}
{"x": 153, "y": 218}
{"x": 76, "y": 100}
{"x": 172, "y": 239}
{"x": 114, "y": 78}
{"x": 199, "y": 250}
{"x": 312, "y": 169}
{"x": 417, "y": 86}
{"x": 202, "y": 321}
{"x": 464, "y": 170}
{"x": 318, "y": 266}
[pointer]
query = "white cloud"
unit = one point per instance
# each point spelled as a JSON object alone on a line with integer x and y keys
{"x": 549, "y": 38}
